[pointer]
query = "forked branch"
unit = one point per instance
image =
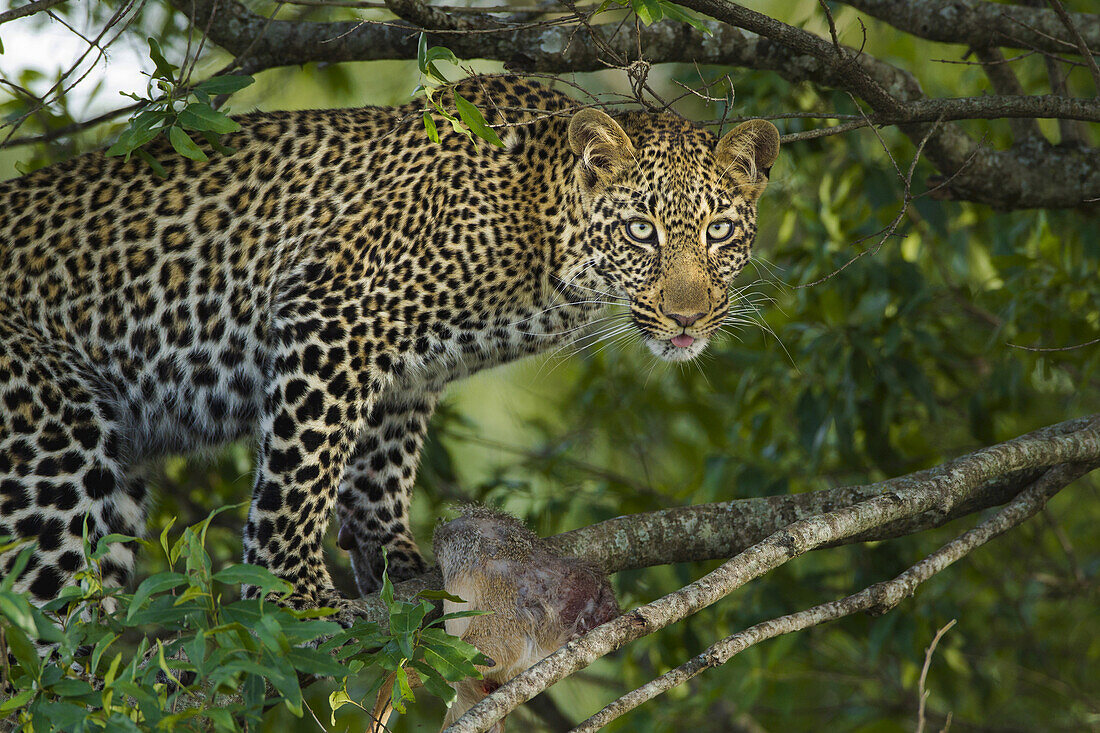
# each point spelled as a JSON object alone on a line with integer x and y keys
{"x": 876, "y": 599}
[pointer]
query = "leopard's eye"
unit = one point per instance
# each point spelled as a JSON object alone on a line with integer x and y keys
{"x": 719, "y": 231}
{"x": 641, "y": 231}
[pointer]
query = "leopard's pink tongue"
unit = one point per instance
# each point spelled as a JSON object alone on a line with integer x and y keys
{"x": 683, "y": 340}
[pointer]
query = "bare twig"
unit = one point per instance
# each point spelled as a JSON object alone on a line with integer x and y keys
{"x": 922, "y": 693}
{"x": 59, "y": 87}
{"x": 1045, "y": 349}
{"x": 907, "y": 200}
{"x": 1082, "y": 46}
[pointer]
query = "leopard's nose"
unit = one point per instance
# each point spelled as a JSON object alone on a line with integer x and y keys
{"x": 685, "y": 320}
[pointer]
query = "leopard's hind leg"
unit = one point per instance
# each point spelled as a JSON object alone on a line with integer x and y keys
{"x": 60, "y": 465}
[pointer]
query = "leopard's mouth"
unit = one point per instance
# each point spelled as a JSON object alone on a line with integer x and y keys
{"x": 681, "y": 347}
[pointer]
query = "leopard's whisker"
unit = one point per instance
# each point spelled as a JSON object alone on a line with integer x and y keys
{"x": 594, "y": 290}
{"x": 615, "y": 323}
{"x": 621, "y": 329}
{"x": 560, "y": 305}
{"x": 586, "y": 324}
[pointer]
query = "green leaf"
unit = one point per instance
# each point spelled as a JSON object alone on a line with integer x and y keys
{"x": 648, "y": 11}
{"x": 458, "y": 614}
{"x": 199, "y": 116}
{"x": 152, "y": 585}
{"x": 153, "y": 162}
{"x": 24, "y": 651}
{"x": 17, "y": 610}
{"x": 165, "y": 610}
{"x": 441, "y": 641}
{"x": 215, "y": 143}
{"x": 17, "y": 701}
{"x": 254, "y": 575}
{"x": 226, "y": 84}
{"x": 405, "y": 619}
{"x": 450, "y": 656}
{"x": 164, "y": 537}
{"x": 422, "y": 52}
{"x": 18, "y": 566}
{"x": 71, "y": 688}
{"x": 430, "y": 128}
{"x": 271, "y": 635}
{"x": 184, "y": 145}
{"x": 677, "y": 13}
{"x": 147, "y": 702}
{"x": 402, "y": 691}
{"x": 104, "y": 545}
{"x": 439, "y": 595}
{"x": 435, "y": 53}
{"x": 339, "y": 699}
{"x": 448, "y": 663}
{"x": 426, "y": 58}
{"x": 434, "y": 682}
{"x": 7, "y": 544}
{"x": 97, "y": 653}
{"x": 312, "y": 661}
{"x": 302, "y": 631}
{"x": 192, "y": 592}
{"x": 285, "y": 680}
{"x": 63, "y": 715}
{"x": 222, "y": 719}
{"x": 112, "y": 670}
{"x": 164, "y": 69}
{"x": 471, "y": 115}
{"x": 195, "y": 648}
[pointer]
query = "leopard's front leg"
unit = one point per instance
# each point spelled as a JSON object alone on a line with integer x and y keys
{"x": 373, "y": 503}
{"x": 320, "y": 385}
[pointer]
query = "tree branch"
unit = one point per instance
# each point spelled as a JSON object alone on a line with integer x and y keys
{"x": 984, "y": 24}
{"x": 29, "y": 9}
{"x": 1082, "y": 45}
{"x": 876, "y": 599}
{"x": 1005, "y": 179}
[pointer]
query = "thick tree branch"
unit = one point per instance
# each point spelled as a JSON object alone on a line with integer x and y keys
{"x": 984, "y": 24}
{"x": 29, "y": 9}
{"x": 942, "y": 491}
{"x": 876, "y": 599}
{"x": 1023, "y": 176}
{"x": 840, "y": 63}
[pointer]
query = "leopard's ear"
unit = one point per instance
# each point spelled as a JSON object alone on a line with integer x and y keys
{"x": 602, "y": 148}
{"x": 747, "y": 153}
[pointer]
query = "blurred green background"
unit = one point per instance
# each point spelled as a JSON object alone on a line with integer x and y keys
{"x": 896, "y": 363}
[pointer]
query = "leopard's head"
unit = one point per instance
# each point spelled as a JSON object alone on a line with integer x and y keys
{"x": 669, "y": 217}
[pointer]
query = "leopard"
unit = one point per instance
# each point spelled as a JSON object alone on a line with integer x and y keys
{"x": 317, "y": 289}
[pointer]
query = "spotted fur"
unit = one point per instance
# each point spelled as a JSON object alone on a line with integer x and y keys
{"x": 316, "y": 291}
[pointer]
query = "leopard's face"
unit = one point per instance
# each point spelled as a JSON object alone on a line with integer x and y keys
{"x": 673, "y": 224}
